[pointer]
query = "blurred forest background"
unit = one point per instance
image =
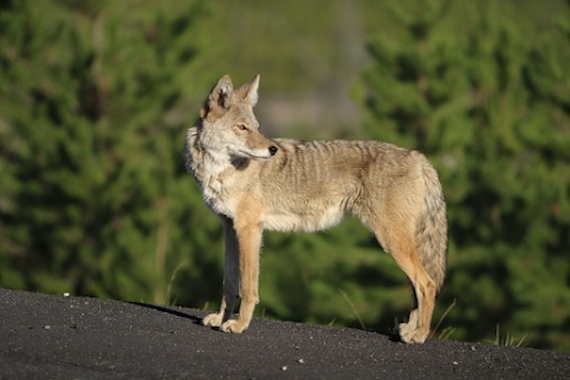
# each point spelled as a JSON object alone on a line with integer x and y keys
{"x": 96, "y": 97}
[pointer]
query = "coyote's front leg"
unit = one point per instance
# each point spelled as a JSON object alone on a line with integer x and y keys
{"x": 231, "y": 276}
{"x": 241, "y": 273}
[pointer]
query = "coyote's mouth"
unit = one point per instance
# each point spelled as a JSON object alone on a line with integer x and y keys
{"x": 246, "y": 154}
{"x": 240, "y": 152}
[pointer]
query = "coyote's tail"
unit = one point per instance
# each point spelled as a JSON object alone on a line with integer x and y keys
{"x": 431, "y": 234}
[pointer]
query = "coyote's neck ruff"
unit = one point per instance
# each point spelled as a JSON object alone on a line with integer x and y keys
{"x": 254, "y": 183}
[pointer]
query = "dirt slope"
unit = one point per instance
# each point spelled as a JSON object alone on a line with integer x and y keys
{"x": 49, "y": 336}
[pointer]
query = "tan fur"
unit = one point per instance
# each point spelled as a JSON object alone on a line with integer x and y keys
{"x": 254, "y": 183}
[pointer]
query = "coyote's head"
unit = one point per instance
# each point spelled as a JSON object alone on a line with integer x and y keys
{"x": 228, "y": 125}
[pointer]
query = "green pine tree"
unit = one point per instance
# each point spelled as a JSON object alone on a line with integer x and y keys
{"x": 94, "y": 107}
{"x": 490, "y": 108}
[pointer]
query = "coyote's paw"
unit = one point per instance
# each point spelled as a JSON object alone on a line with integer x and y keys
{"x": 234, "y": 326}
{"x": 411, "y": 333}
{"x": 214, "y": 320}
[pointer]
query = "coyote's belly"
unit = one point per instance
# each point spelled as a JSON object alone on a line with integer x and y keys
{"x": 306, "y": 220}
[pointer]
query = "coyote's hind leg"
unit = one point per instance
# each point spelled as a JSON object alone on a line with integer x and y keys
{"x": 400, "y": 244}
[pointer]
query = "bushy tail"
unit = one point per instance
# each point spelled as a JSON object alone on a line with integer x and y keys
{"x": 431, "y": 234}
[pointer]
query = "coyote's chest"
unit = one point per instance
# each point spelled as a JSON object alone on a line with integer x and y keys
{"x": 217, "y": 195}
{"x": 220, "y": 186}
{"x": 213, "y": 176}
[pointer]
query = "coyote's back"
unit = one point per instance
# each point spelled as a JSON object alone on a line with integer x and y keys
{"x": 254, "y": 183}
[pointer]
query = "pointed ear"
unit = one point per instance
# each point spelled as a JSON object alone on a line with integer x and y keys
{"x": 222, "y": 92}
{"x": 220, "y": 96}
{"x": 249, "y": 91}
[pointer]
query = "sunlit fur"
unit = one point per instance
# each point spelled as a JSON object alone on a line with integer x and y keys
{"x": 255, "y": 183}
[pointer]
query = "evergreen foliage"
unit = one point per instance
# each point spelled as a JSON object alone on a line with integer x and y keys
{"x": 490, "y": 107}
{"x": 93, "y": 185}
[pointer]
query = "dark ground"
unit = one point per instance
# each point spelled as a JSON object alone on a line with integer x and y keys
{"x": 55, "y": 337}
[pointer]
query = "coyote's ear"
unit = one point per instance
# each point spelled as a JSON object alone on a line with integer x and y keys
{"x": 222, "y": 92}
{"x": 220, "y": 96}
{"x": 249, "y": 91}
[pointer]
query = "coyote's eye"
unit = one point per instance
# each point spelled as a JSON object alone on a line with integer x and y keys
{"x": 242, "y": 127}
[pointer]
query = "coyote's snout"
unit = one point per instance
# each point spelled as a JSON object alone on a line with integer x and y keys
{"x": 253, "y": 183}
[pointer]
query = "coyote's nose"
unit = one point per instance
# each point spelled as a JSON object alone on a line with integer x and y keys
{"x": 272, "y": 150}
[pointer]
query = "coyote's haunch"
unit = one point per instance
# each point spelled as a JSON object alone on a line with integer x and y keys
{"x": 254, "y": 183}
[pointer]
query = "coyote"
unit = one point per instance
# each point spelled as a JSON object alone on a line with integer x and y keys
{"x": 254, "y": 183}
